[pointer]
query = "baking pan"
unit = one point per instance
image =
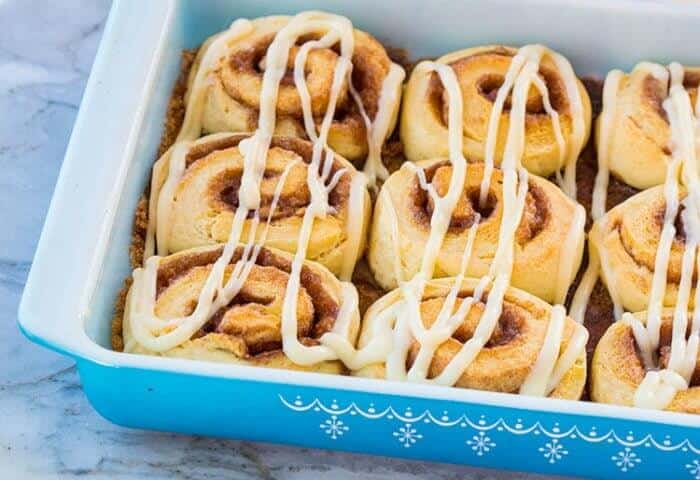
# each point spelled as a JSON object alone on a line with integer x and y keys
{"x": 82, "y": 257}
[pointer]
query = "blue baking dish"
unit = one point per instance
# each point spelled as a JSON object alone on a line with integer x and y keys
{"x": 82, "y": 257}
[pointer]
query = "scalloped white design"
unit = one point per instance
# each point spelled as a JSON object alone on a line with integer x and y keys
{"x": 627, "y": 441}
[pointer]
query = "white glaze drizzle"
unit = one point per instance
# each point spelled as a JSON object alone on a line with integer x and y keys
{"x": 399, "y": 342}
{"x": 353, "y": 226}
{"x": 379, "y": 129}
{"x": 541, "y": 372}
{"x": 568, "y": 151}
{"x": 192, "y": 123}
{"x": 568, "y": 261}
{"x": 389, "y": 344}
{"x": 600, "y": 191}
{"x": 254, "y": 149}
{"x": 409, "y": 326}
{"x": 578, "y": 128}
{"x": 658, "y": 387}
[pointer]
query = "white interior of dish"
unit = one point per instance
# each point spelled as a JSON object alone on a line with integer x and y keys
{"x": 83, "y": 253}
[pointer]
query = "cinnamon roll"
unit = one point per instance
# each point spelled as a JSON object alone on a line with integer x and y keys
{"x": 626, "y": 240}
{"x": 511, "y": 359}
{"x": 163, "y": 310}
{"x": 195, "y": 190}
{"x": 558, "y": 110}
{"x": 647, "y": 248}
{"x": 548, "y": 242}
{"x": 618, "y": 369}
{"x": 638, "y": 132}
{"x": 226, "y": 84}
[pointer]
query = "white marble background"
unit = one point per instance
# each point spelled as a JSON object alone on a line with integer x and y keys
{"x": 47, "y": 429}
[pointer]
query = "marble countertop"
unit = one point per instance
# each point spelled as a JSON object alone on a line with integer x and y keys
{"x": 49, "y": 429}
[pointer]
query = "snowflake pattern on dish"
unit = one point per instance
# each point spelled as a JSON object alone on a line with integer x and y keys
{"x": 626, "y": 459}
{"x": 334, "y": 427}
{"x": 404, "y": 425}
{"x": 553, "y": 451}
{"x": 481, "y": 444}
{"x": 694, "y": 469}
{"x": 407, "y": 435}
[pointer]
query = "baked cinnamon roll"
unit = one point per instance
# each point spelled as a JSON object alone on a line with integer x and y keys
{"x": 511, "y": 359}
{"x": 626, "y": 240}
{"x": 195, "y": 190}
{"x": 638, "y": 134}
{"x": 481, "y": 72}
{"x": 618, "y": 370}
{"x": 648, "y": 253}
{"x": 548, "y": 241}
{"x": 225, "y": 84}
{"x": 162, "y": 312}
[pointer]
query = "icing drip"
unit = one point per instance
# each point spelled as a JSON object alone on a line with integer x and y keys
{"x": 600, "y": 191}
{"x": 576, "y": 143}
{"x": 353, "y": 226}
{"x": 536, "y": 382}
{"x": 163, "y": 334}
{"x": 379, "y": 129}
{"x": 607, "y": 116}
{"x": 215, "y": 53}
{"x": 659, "y": 387}
{"x": 568, "y": 151}
{"x": 148, "y": 329}
{"x": 567, "y": 260}
{"x": 398, "y": 326}
{"x": 399, "y": 342}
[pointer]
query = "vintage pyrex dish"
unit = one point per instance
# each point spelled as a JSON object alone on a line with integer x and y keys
{"x": 82, "y": 257}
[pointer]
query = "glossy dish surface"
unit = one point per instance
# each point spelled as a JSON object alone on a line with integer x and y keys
{"x": 346, "y": 410}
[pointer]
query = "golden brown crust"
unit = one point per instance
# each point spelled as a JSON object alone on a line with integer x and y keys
{"x": 401, "y": 229}
{"x": 617, "y": 369}
{"x": 205, "y": 199}
{"x": 506, "y": 360}
{"x": 232, "y": 101}
{"x": 639, "y": 142}
{"x": 627, "y": 238}
{"x": 598, "y": 314}
{"x": 247, "y": 330}
{"x": 480, "y": 72}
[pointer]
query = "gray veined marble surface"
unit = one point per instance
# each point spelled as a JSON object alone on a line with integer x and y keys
{"x": 47, "y": 428}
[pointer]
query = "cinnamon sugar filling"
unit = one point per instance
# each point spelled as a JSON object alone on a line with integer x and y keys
{"x": 535, "y": 215}
{"x": 488, "y": 84}
{"x": 630, "y": 349}
{"x": 295, "y": 196}
{"x": 318, "y": 308}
